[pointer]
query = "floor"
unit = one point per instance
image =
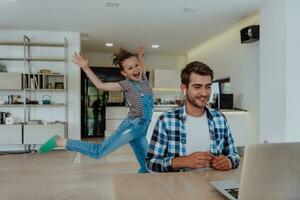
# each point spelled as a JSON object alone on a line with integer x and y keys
{"x": 63, "y": 175}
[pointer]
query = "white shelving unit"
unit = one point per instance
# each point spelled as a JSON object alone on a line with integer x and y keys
{"x": 33, "y": 87}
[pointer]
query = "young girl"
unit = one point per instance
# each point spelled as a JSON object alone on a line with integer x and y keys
{"x": 133, "y": 128}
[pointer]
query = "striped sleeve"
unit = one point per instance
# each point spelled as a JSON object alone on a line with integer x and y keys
{"x": 125, "y": 84}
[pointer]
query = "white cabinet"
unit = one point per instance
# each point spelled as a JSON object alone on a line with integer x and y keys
{"x": 238, "y": 121}
{"x": 152, "y": 125}
{"x": 38, "y": 134}
{"x": 10, "y": 81}
{"x": 166, "y": 78}
{"x": 114, "y": 117}
{"x": 10, "y": 134}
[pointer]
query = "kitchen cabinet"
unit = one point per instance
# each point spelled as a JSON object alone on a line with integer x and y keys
{"x": 238, "y": 122}
{"x": 10, "y": 134}
{"x": 114, "y": 117}
{"x": 152, "y": 125}
{"x": 37, "y": 134}
{"x": 166, "y": 79}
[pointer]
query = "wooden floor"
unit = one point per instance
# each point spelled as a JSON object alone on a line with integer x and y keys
{"x": 63, "y": 175}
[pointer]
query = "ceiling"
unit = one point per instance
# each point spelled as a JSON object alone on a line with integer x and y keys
{"x": 130, "y": 24}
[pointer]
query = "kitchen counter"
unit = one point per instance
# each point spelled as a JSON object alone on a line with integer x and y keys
{"x": 237, "y": 120}
{"x": 164, "y": 107}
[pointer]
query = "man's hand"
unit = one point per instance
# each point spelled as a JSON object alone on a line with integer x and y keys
{"x": 81, "y": 60}
{"x": 221, "y": 163}
{"x": 193, "y": 161}
{"x": 199, "y": 160}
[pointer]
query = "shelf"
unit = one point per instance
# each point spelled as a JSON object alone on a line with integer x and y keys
{"x": 12, "y": 105}
{"x": 12, "y": 59}
{"x": 11, "y": 124}
{"x": 46, "y": 59}
{"x": 11, "y": 43}
{"x": 52, "y": 74}
{"x": 35, "y": 59}
{"x": 45, "y": 105}
{"x": 45, "y": 90}
{"x": 46, "y": 44}
{"x": 33, "y": 105}
{"x": 32, "y": 44}
{"x": 46, "y": 124}
{"x": 16, "y": 90}
{"x": 28, "y": 124}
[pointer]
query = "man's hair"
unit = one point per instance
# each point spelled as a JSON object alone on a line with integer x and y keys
{"x": 119, "y": 57}
{"x": 195, "y": 67}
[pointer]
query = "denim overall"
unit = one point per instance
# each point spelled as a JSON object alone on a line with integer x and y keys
{"x": 131, "y": 130}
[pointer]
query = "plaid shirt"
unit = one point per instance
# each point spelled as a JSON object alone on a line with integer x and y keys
{"x": 169, "y": 139}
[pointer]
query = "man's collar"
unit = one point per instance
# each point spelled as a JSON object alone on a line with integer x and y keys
{"x": 182, "y": 113}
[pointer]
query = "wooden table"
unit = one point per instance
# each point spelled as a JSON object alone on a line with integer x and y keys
{"x": 62, "y": 175}
{"x": 171, "y": 186}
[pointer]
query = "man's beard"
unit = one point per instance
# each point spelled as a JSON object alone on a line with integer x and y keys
{"x": 192, "y": 101}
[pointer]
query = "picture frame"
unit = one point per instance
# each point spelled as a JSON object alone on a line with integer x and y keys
{"x": 3, "y": 68}
{"x": 59, "y": 85}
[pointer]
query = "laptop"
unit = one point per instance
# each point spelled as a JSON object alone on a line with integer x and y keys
{"x": 270, "y": 171}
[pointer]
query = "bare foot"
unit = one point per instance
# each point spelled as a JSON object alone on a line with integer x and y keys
{"x": 61, "y": 142}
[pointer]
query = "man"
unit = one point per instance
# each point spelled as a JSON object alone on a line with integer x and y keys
{"x": 192, "y": 136}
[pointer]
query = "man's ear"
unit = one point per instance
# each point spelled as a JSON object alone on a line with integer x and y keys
{"x": 183, "y": 89}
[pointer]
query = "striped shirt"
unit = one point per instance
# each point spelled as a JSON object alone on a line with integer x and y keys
{"x": 133, "y": 92}
{"x": 169, "y": 139}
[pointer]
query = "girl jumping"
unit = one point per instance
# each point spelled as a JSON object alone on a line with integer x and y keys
{"x": 133, "y": 128}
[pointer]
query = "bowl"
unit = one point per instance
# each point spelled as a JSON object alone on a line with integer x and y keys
{"x": 45, "y": 71}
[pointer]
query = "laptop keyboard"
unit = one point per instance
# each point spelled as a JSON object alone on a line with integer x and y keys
{"x": 233, "y": 191}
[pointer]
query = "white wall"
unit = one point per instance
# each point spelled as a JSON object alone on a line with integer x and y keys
{"x": 73, "y": 71}
{"x": 152, "y": 61}
{"x": 165, "y": 61}
{"x": 280, "y": 71}
{"x": 100, "y": 59}
{"x": 293, "y": 70}
{"x": 273, "y": 60}
{"x": 225, "y": 54}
